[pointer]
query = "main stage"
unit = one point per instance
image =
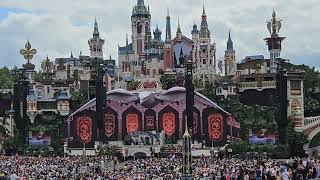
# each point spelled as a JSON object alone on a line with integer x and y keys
{"x": 159, "y": 113}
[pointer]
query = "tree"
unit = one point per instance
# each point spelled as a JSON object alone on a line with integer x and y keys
{"x": 168, "y": 81}
{"x": 78, "y": 99}
{"x": 250, "y": 117}
{"x": 311, "y": 107}
{"x": 296, "y": 140}
{"x": 132, "y": 85}
{"x": 6, "y": 80}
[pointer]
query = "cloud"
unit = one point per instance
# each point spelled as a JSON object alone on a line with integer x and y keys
{"x": 58, "y": 27}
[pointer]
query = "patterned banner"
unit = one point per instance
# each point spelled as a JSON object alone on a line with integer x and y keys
{"x": 109, "y": 124}
{"x": 168, "y": 123}
{"x": 215, "y": 126}
{"x": 132, "y": 121}
{"x": 84, "y": 129}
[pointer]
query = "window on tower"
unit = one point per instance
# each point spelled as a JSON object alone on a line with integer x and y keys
{"x": 204, "y": 61}
{"x": 139, "y": 28}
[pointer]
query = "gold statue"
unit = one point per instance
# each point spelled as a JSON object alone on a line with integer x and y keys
{"x": 28, "y": 52}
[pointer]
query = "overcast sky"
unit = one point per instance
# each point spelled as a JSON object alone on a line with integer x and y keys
{"x": 57, "y": 27}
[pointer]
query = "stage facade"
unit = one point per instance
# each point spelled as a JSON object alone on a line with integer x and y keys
{"x": 164, "y": 111}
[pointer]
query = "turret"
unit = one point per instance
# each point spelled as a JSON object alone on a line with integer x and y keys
{"x": 195, "y": 32}
{"x": 204, "y": 31}
{"x": 157, "y": 34}
{"x": 168, "y": 28}
{"x": 96, "y": 43}
{"x": 141, "y": 33}
{"x": 229, "y": 58}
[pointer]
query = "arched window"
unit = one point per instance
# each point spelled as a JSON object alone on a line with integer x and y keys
{"x": 139, "y": 28}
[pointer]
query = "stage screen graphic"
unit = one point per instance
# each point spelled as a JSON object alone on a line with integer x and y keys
{"x": 109, "y": 124}
{"x": 39, "y": 138}
{"x": 84, "y": 129}
{"x": 132, "y": 121}
{"x": 262, "y": 137}
{"x": 169, "y": 125}
{"x": 215, "y": 126}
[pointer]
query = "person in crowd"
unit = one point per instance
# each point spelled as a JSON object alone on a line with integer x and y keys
{"x": 98, "y": 167}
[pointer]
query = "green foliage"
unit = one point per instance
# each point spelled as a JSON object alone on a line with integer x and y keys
{"x": 311, "y": 107}
{"x": 312, "y": 77}
{"x": 38, "y": 77}
{"x": 250, "y": 117}
{"x": 132, "y": 85}
{"x": 78, "y": 99}
{"x": 243, "y": 147}
{"x": 6, "y": 80}
{"x": 168, "y": 81}
{"x": 296, "y": 140}
{"x": 109, "y": 151}
{"x": 170, "y": 140}
{"x": 51, "y": 123}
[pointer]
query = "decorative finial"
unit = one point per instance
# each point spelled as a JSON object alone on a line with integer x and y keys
{"x": 28, "y": 52}
{"x": 186, "y": 131}
{"x": 110, "y": 56}
{"x": 274, "y": 25}
{"x": 47, "y": 65}
{"x": 71, "y": 55}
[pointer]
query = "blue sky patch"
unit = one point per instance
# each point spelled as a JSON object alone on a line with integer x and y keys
{"x": 5, "y": 11}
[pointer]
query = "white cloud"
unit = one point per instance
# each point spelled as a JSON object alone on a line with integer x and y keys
{"x": 58, "y": 27}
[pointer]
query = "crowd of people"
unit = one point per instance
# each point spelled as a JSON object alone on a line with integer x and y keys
{"x": 94, "y": 167}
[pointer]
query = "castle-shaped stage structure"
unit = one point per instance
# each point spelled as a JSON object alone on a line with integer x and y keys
{"x": 164, "y": 111}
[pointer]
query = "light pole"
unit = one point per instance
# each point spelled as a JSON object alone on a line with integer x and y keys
{"x": 187, "y": 173}
{"x": 11, "y": 118}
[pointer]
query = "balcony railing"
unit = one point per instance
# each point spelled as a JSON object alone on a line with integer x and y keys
{"x": 255, "y": 85}
{"x": 309, "y": 121}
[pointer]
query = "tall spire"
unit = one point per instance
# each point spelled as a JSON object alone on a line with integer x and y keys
{"x": 179, "y": 29}
{"x": 96, "y": 30}
{"x": 126, "y": 39}
{"x": 168, "y": 28}
{"x": 203, "y": 10}
{"x": 204, "y": 31}
{"x": 230, "y": 42}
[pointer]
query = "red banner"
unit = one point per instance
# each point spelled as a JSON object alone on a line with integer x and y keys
{"x": 109, "y": 124}
{"x": 132, "y": 122}
{"x": 84, "y": 129}
{"x": 215, "y": 126}
{"x": 168, "y": 123}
